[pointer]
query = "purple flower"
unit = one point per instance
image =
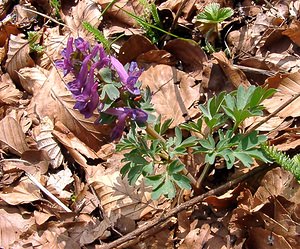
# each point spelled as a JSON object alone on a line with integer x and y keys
{"x": 129, "y": 78}
{"x": 123, "y": 113}
{"x": 66, "y": 63}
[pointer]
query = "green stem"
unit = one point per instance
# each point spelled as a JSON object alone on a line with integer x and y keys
{"x": 153, "y": 133}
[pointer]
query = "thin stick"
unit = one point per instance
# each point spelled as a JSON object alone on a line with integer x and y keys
{"x": 39, "y": 185}
{"x": 180, "y": 208}
{"x": 46, "y": 191}
{"x": 280, "y": 108}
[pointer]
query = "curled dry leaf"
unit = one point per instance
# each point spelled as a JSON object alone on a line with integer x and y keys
{"x": 54, "y": 43}
{"x": 174, "y": 92}
{"x": 58, "y": 182}
{"x": 24, "y": 192}
{"x": 235, "y": 75}
{"x": 287, "y": 85}
{"x": 12, "y": 136}
{"x": 191, "y": 55}
{"x": 12, "y": 225}
{"x": 32, "y": 78}
{"x": 9, "y": 95}
{"x": 77, "y": 149}
{"x": 55, "y": 101}
{"x": 119, "y": 198}
{"x": 196, "y": 238}
{"x": 135, "y": 46}
{"x": 17, "y": 56}
{"x": 45, "y": 141}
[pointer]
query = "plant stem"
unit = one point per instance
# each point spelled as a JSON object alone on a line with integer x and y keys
{"x": 153, "y": 133}
{"x": 203, "y": 175}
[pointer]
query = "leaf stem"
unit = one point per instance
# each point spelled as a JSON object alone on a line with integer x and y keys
{"x": 150, "y": 130}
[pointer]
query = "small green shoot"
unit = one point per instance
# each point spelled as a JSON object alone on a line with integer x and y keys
{"x": 33, "y": 39}
{"x": 214, "y": 14}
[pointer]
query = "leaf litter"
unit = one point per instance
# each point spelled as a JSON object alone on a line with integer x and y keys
{"x": 43, "y": 138}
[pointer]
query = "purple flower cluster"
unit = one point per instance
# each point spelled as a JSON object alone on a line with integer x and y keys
{"x": 83, "y": 62}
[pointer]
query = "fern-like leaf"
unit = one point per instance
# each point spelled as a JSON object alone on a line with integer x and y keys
{"x": 98, "y": 35}
{"x": 290, "y": 164}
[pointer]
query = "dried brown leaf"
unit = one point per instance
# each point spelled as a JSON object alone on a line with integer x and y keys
{"x": 287, "y": 85}
{"x": 45, "y": 141}
{"x": 77, "y": 149}
{"x": 32, "y": 78}
{"x": 11, "y": 135}
{"x": 135, "y": 46}
{"x": 235, "y": 75}
{"x": 84, "y": 11}
{"x": 12, "y": 225}
{"x": 17, "y": 56}
{"x": 54, "y": 43}
{"x": 263, "y": 238}
{"x": 196, "y": 238}
{"x": 8, "y": 93}
{"x": 24, "y": 192}
{"x": 278, "y": 182}
{"x": 174, "y": 92}
{"x": 55, "y": 101}
{"x": 191, "y": 55}
{"x": 293, "y": 32}
{"x": 119, "y": 198}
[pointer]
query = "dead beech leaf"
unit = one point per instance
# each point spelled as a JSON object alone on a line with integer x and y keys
{"x": 262, "y": 238}
{"x": 293, "y": 32}
{"x": 235, "y": 75}
{"x": 54, "y": 43}
{"x": 44, "y": 139}
{"x": 58, "y": 182}
{"x": 24, "y": 192}
{"x": 32, "y": 78}
{"x": 55, "y": 101}
{"x": 135, "y": 46}
{"x": 287, "y": 85}
{"x": 84, "y": 11}
{"x": 11, "y": 135}
{"x": 190, "y": 54}
{"x": 76, "y": 148}
{"x": 119, "y": 198}
{"x": 277, "y": 182}
{"x": 174, "y": 92}
{"x": 8, "y": 93}
{"x": 196, "y": 238}
{"x": 12, "y": 225}
{"x": 17, "y": 56}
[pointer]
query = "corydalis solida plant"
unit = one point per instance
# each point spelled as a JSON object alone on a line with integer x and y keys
{"x": 101, "y": 82}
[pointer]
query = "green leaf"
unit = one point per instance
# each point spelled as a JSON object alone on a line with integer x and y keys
{"x": 111, "y": 91}
{"x": 214, "y": 14}
{"x": 208, "y": 143}
{"x": 244, "y": 158}
{"x": 175, "y": 167}
{"x": 167, "y": 189}
{"x": 182, "y": 181}
{"x": 155, "y": 181}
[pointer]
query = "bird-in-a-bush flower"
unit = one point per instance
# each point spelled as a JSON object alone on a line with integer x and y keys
{"x": 84, "y": 62}
{"x": 128, "y": 79}
{"x": 122, "y": 114}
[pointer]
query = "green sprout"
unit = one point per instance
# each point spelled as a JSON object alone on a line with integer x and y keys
{"x": 214, "y": 14}
{"x": 210, "y": 20}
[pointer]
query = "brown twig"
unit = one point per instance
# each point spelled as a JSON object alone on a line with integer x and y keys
{"x": 179, "y": 208}
{"x": 280, "y": 108}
